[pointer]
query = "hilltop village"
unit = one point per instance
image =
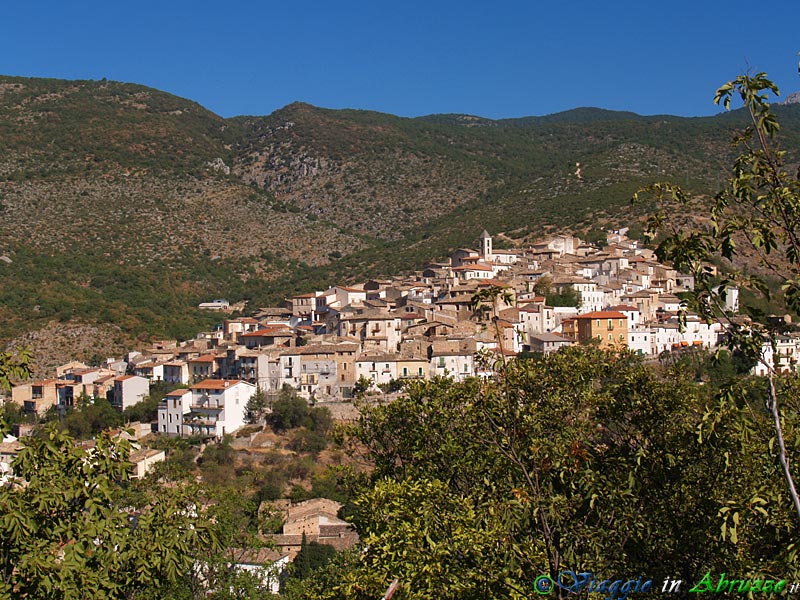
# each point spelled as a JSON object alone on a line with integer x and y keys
{"x": 327, "y": 343}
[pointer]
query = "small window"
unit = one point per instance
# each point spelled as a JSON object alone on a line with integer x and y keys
{"x": 610, "y": 337}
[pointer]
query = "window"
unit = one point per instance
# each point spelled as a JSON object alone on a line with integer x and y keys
{"x": 466, "y": 368}
{"x": 405, "y": 371}
{"x": 611, "y": 324}
{"x": 420, "y": 372}
{"x": 441, "y": 361}
{"x": 621, "y": 337}
{"x": 610, "y": 337}
{"x": 598, "y": 322}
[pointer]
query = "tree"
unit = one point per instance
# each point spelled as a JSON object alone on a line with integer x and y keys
{"x": 90, "y": 418}
{"x": 256, "y": 406}
{"x": 311, "y": 557}
{"x": 15, "y": 367}
{"x": 756, "y": 214}
{"x": 289, "y": 411}
{"x": 583, "y": 458}
{"x": 74, "y": 530}
{"x": 362, "y": 386}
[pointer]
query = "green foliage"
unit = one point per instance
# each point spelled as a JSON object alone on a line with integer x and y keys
{"x": 217, "y": 461}
{"x": 757, "y": 213}
{"x": 583, "y": 457}
{"x": 290, "y": 411}
{"x": 14, "y": 367}
{"x": 564, "y": 295}
{"x": 305, "y": 440}
{"x": 72, "y": 531}
{"x": 91, "y": 418}
{"x": 311, "y": 557}
{"x": 256, "y": 406}
{"x": 362, "y": 385}
{"x": 11, "y": 414}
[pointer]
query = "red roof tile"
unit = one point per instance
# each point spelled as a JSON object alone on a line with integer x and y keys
{"x": 602, "y": 314}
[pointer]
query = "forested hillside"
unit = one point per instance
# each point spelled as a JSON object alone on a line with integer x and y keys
{"x": 125, "y": 205}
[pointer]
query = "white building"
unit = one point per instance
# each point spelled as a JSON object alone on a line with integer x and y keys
{"x": 218, "y": 407}
{"x": 592, "y": 298}
{"x": 172, "y": 410}
{"x": 453, "y": 359}
{"x": 783, "y": 358}
{"x": 129, "y": 390}
{"x": 640, "y": 340}
{"x": 379, "y": 368}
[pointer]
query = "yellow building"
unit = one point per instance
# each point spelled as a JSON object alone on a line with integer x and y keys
{"x": 610, "y": 327}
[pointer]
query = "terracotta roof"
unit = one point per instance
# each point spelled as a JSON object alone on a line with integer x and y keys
{"x": 268, "y": 331}
{"x": 602, "y": 314}
{"x": 177, "y": 393}
{"x": 475, "y": 267}
{"x": 203, "y": 359}
{"x": 216, "y": 384}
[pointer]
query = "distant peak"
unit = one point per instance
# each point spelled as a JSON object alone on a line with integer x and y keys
{"x": 793, "y": 98}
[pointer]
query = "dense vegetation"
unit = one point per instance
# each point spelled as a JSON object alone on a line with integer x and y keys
{"x": 584, "y": 460}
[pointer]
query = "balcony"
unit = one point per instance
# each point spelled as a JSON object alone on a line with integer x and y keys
{"x": 208, "y": 406}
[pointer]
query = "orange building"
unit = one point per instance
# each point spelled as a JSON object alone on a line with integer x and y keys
{"x": 610, "y": 327}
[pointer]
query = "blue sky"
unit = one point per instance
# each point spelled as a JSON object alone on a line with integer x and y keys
{"x": 497, "y": 60}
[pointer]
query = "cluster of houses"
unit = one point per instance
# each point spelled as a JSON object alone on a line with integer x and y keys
{"x": 420, "y": 326}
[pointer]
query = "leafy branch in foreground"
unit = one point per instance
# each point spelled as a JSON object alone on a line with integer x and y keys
{"x": 756, "y": 215}
{"x": 69, "y": 527}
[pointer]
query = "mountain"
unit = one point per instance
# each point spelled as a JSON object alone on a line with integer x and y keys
{"x": 126, "y": 205}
